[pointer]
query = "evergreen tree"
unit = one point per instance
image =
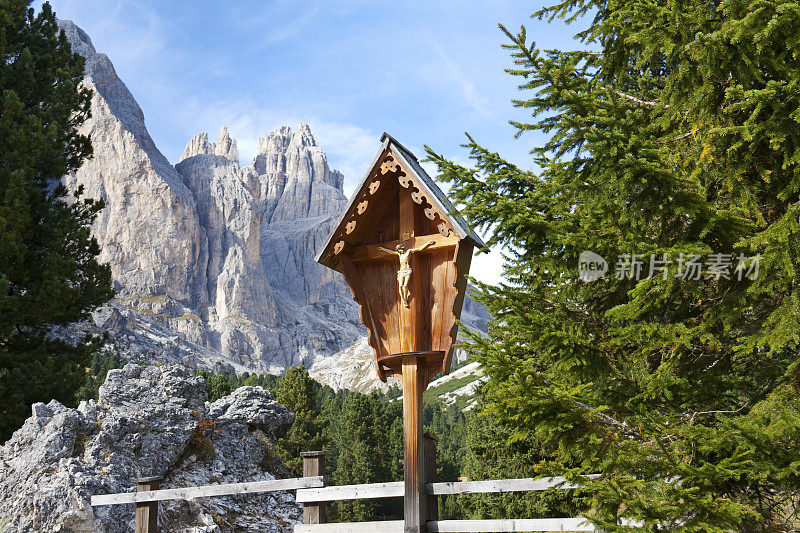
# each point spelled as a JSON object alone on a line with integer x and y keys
{"x": 448, "y": 425}
{"x": 352, "y": 435}
{"x": 672, "y": 130}
{"x": 298, "y": 392}
{"x": 102, "y": 361}
{"x": 49, "y": 274}
{"x": 491, "y": 453}
{"x": 394, "y": 428}
{"x": 223, "y": 383}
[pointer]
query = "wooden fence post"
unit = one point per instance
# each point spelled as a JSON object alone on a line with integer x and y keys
{"x": 147, "y": 512}
{"x": 430, "y": 474}
{"x": 314, "y": 465}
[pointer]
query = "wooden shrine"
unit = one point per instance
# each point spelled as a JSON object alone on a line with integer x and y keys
{"x": 398, "y": 204}
{"x": 406, "y": 260}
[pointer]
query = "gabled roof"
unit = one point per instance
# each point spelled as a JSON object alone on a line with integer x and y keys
{"x": 428, "y": 186}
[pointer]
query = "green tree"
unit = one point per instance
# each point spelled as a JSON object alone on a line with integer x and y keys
{"x": 223, "y": 383}
{"x": 352, "y": 435}
{"x": 102, "y": 361}
{"x": 394, "y": 429}
{"x": 363, "y": 435}
{"x": 298, "y": 392}
{"x": 490, "y": 453}
{"x": 448, "y": 424}
{"x": 49, "y": 274}
{"x": 673, "y": 129}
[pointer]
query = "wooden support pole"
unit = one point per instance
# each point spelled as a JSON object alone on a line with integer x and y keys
{"x": 415, "y": 503}
{"x": 314, "y": 465}
{"x": 430, "y": 474}
{"x": 147, "y": 512}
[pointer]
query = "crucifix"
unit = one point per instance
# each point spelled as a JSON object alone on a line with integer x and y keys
{"x": 410, "y": 305}
{"x": 405, "y": 271}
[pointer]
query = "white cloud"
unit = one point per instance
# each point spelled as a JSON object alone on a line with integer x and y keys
{"x": 488, "y": 267}
{"x": 130, "y": 33}
{"x": 291, "y": 28}
{"x": 469, "y": 94}
{"x": 350, "y": 148}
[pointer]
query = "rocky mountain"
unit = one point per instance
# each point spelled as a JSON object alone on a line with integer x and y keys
{"x": 212, "y": 259}
{"x": 149, "y": 421}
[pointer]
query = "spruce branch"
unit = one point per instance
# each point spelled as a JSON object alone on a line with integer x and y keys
{"x": 640, "y": 101}
{"x": 673, "y": 139}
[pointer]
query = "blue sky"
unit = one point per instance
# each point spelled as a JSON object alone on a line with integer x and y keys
{"x": 425, "y": 72}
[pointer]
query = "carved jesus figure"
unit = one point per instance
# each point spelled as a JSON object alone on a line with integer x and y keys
{"x": 404, "y": 272}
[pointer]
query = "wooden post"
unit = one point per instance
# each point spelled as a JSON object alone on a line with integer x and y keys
{"x": 415, "y": 503}
{"x": 147, "y": 512}
{"x": 430, "y": 474}
{"x": 314, "y": 465}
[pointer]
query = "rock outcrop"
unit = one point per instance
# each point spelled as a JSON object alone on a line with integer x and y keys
{"x": 224, "y": 147}
{"x": 149, "y": 231}
{"x": 149, "y": 421}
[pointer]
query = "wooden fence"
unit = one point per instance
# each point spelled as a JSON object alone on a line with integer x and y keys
{"x": 315, "y": 499}
{"x": 314, "y": 494}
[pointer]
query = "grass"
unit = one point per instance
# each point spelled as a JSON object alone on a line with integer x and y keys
{"x": 432, "y": 393}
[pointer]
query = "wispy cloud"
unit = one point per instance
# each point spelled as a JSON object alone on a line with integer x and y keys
{"x": 350, "y": 148}
{"x": 469, "y": 94}
{"x": 277, "y": 22}
{"x": 291, "y": 28}
{"x": 130, "y": 32}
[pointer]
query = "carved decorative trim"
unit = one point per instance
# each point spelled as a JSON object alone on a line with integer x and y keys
{"x": 391, "y": 168}
{"x": 389, "y": 165}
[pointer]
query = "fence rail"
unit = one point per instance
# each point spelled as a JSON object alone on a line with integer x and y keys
{"x": 454, "y": 526}
{"x": 395, "y": 489}
{"x": 188, "y": 493}
{"x": 315, "y": 500}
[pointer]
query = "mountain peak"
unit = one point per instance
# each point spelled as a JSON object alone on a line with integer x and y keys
{"x": 200, "y": 145}
{"x": 280, "y": 139}
{"x": 226, "y": 146}
{"x": 304, "y": 136}
{"x": 79, "y": 39}
{"x": 197, "y": 145}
